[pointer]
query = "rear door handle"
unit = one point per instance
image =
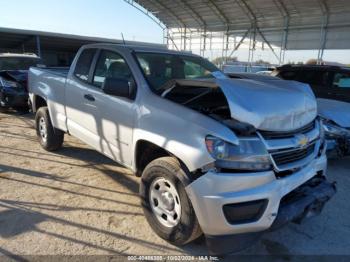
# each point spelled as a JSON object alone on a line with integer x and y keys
{"x": 89, "y": 97}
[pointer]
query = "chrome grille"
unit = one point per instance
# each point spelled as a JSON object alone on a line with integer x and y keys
{"x": 288, "y": 134}
{"x": 286, "y": 157}
{"x": 292, "y": 150}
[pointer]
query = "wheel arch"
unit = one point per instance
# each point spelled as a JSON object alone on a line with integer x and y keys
{"x": 146, "y": 152}
{"x": 38, "y": 101}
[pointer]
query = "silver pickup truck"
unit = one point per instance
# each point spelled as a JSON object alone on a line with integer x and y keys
{"x": 226, "y": 158}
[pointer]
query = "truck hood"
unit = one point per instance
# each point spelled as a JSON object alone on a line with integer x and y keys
{"x": 272, "y": 106}
{"x": 336, "y": 111}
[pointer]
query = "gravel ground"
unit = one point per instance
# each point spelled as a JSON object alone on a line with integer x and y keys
{"x": 78, "y": 202}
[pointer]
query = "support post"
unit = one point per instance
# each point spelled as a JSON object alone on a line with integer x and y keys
{"x": 38, "y": 46}
{"x": 200, "y": 42}
{"x": 185, "y": 38}
{"x": 324, "y": 30}
{"x": 204, "y": 41}
{"x": 250, "y": 46}
{"x": 268, "y": 43}
{"x": 190, "y": 40}
{"x": 227, "y": 44}
{"x": 284, "y": 40}
{"x": 240, "y": 42}
{"x": 223, "y": 51}
{"x": 253, "y": 47}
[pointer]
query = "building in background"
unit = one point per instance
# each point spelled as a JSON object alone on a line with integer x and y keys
{"x": 54, "y": 48}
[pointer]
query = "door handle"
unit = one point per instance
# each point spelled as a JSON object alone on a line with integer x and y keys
{"x": 89, "y": 97}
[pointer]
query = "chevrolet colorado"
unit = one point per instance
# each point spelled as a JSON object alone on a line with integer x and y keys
{"x": 226, "y": 158}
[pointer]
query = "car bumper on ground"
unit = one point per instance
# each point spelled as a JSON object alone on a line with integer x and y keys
{"x": 13, "y": 99}
{"x": 239, "y": 207}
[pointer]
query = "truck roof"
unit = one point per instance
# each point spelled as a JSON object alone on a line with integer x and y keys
{"x": 141, "y": 48}
{"x": 287, "y": 66}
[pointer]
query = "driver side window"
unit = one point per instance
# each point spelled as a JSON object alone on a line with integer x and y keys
{"x": 110, "y": 64}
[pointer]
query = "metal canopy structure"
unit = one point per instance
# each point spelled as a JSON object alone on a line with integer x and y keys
{"x": 279, "y": 24}
{"x": 55, "y": 48}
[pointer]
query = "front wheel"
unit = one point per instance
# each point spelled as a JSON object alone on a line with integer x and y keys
{"x": 165, "y": 203}
{"x": 50, "y": 138}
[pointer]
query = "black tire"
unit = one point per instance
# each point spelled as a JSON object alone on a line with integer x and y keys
{"x": 187, "y": 229}
{"x": 54, "y": 137}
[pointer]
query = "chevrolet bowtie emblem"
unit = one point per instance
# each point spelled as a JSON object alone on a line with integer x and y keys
{"x": 302, "y": 140}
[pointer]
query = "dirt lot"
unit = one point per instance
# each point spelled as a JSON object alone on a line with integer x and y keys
{"x": 78, "y": 202}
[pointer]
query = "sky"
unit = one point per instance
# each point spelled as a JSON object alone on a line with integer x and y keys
{"x": 109, "y": 19}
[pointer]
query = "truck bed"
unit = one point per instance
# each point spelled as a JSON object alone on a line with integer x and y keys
{"x": 60, "y": 71}
{"x": 50, "y": 83}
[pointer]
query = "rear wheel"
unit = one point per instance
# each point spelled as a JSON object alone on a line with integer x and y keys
{"x": 165, "y": 203}
{"x": 50, "y": 138}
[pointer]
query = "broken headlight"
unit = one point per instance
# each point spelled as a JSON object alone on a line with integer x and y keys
{"x": 333, "y": 130}
{"x": 250, "y": 154}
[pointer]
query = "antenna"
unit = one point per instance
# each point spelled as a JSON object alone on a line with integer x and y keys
{"x": 123, "y": 39}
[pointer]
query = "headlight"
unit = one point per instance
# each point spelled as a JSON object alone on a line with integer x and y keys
{"x": 333, "y": 130}
{"x": 250, "y": 154}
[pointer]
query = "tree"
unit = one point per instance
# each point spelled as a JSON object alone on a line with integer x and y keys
{"x": 260, "y": 61}
{"x": 222, "y": 60}
{"x": 312, "y": 61}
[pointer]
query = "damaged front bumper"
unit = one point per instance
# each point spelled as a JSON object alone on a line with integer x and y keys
{"x": 306, "y": 201}
{"x": 13, "y": 99}
{"x": 236, "y": 208}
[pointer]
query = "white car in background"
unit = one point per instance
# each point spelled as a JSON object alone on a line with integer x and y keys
{"x": 264, "y": 73}
{"x": 336, "y": 121}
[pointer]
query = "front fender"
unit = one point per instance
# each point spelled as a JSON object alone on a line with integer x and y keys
{"x": 179, "y": 130}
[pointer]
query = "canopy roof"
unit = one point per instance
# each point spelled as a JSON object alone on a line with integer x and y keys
{"x": 306, "y": 24}
{"x": 12, "y": 39}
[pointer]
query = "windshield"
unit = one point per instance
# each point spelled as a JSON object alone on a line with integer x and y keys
{"x": 160, "y": 68}
{"x": 18, "y": 63}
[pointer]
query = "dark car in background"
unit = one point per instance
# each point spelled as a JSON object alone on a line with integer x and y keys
{"x": 13, "y": 79}
{"x": 329, "y": 82}
{"x": 331, "y": 85}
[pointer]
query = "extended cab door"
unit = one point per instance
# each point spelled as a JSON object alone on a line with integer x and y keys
{"x": 103, "y": 121}
{"x": 340, "y": 87}
{"x": 81, "y": 109}
{"x": 116, "y": 114}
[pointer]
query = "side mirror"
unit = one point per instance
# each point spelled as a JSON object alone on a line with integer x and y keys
{"x": 118, "y": 87}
